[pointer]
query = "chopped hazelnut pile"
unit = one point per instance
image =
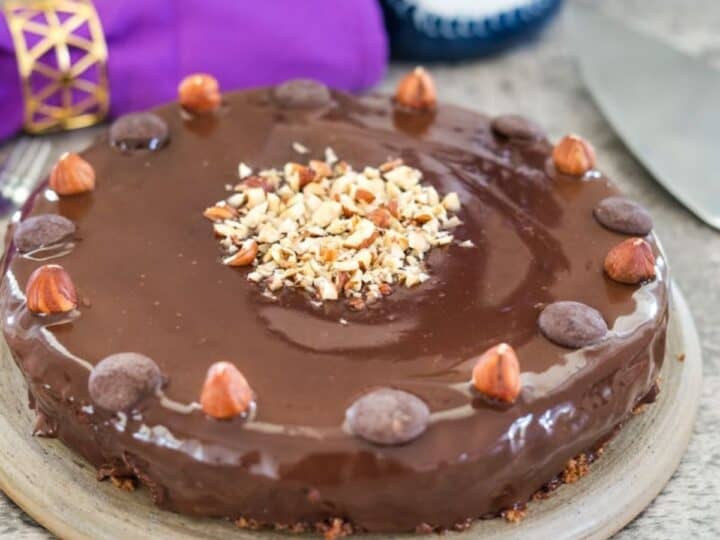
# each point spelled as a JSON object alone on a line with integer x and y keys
{"x": 333, "y": 231}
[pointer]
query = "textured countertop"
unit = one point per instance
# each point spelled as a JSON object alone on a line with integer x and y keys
{"x": 541, "y": 81}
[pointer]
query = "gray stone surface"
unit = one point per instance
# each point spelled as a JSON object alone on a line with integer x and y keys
{"x": 541, "y": 81}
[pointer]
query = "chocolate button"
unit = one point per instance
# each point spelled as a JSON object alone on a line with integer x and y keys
{"x": 512, "y": 126}
{"x": 139, "y": 131}
{"x": 42, "y": 230}
{"x": 572, "y": 324}
{"x": 624, "y": 216}
{"x": 120, "y": 381}
{"x": 302, "y": 94}
{"x": 388, "y": 417}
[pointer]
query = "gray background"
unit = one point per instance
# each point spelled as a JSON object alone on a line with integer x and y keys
{"x": 542, "y": 81}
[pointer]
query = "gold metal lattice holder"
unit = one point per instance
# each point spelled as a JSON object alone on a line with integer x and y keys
{"x": 62, "y": 60}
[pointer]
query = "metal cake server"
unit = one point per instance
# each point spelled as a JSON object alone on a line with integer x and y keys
{"x": 664, "y": 105}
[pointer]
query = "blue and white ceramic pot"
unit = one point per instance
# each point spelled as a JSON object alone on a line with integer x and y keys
{"x": 428, "y": 30}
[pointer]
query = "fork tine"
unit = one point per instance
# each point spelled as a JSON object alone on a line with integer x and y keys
{"x": 17, "y": 164}
{"x": 16, "y": 155}
{"x": 16, "y": 176}
{"x": 32, "y": 176}
{"x": 38, "y": 163}
{"x": 19, "y": 158}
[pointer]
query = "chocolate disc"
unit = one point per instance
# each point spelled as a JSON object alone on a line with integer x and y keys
{"x": 572, "y": 324}
{"x": 624, "y": 216}
{"x": 139, "y": 131}
{"x": 302, "y": 94}
{"x": 120, "y": 381}
{"x": 42, "y": 230}
{"x": 388, "y": 417}
{"x": 513, "y": 126}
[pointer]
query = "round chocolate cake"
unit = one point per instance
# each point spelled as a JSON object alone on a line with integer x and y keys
{"x": 296, "y": 308}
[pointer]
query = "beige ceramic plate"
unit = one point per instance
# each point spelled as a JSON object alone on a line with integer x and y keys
{"x": 59, "y": 489}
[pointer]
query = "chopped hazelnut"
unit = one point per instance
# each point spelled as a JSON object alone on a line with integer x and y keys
{"x": 332, "y": 231}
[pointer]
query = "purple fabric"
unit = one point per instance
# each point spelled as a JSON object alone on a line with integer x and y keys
{"x": 154, "y": 43}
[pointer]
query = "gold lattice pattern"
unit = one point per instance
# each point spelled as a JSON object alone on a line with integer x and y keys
{"x": 62, "y": 60}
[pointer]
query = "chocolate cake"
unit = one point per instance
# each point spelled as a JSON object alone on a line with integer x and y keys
{"x": 294, "y": 308}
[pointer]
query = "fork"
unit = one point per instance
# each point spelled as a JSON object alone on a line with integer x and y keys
{"x": 22, "y": 171}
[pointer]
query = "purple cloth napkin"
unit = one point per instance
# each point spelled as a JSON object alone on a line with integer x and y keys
{"x": 154, "y": 43}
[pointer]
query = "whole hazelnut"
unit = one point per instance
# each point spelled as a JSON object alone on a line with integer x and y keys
{"x": 72, "y": 175}
{"x": 416, "y": 90}
{"x": 631, "y": 261}
{"x": 199, "y": 93}
{"x": 497, "y": 374}
{"x": 50, "y": 290}
{"x": 225, "y": 393}
{"x": 573, "y": 155}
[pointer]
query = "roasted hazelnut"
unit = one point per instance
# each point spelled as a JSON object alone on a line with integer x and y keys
{"x": 304, "y": 173}
{"x": 381, "y": 217}
{"x": 416, "y": 90}
{"x": 220, "y": 213}
{"x": 392, "y": 207}
{"x": 390, "y": 165}
{"x": 573, "y": 155}
{"x": 199, "y": 93}
{"x": 322, "y": 169}
{"x": 255, "y": 182}
{"x": 497, "y": 374}
{"x": 50, "y": 290}
{"x": 72, "y": 175}
{"x": 363, "y": 195}
{"x": 225, "y": 393}
{"x": 631, "y": 261}
{"x": 244, "y": 256}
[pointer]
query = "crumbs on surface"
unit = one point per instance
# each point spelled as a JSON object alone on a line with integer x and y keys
{"x": 330, "y": 529}
{"x": 575, "y": 469}
{"x": 640, "y": 408}
{"x": 515, "y": 515}
{"x": 123, "y": 482}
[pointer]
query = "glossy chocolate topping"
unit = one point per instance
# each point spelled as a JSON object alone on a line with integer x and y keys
{"x": 147, "y": 271}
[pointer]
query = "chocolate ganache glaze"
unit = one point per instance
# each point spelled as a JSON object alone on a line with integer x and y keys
{"x": 148, "y": 278}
